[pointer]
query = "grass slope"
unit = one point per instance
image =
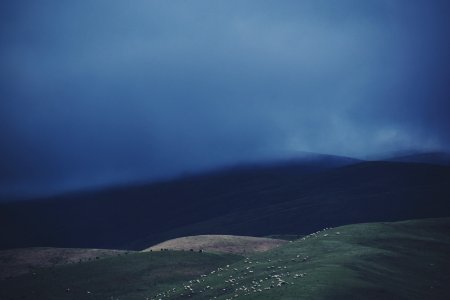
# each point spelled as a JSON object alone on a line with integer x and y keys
{"x": 404, "y": 260}
{"x": 220, "y": 244}
{"x": 132, "y": 276}
{"x": 15, "y": 262}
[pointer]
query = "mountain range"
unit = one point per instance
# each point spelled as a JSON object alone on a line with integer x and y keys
{"x": 296, "y": 196}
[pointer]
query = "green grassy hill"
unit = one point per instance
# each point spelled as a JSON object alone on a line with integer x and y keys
{"x": 132, "y": 276}
{"x": 402, "y": 260}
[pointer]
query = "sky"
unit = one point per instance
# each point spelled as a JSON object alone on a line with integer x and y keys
{"x": 97, "y": 93}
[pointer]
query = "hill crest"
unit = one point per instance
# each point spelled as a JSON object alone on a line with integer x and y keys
{"x": 219, "y": 243}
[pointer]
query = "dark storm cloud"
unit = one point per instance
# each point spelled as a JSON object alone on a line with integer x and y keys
{"x": 97, "y": 92}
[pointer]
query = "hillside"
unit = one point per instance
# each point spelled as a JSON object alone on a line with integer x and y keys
{"x": 130, "y": 277}
{"x": 402, "y": 260}
{"x": 438, "y": 158}
{"x": 15, "y": 262}
{"x": 258, "y": 201}
{"x": 366, "y": 192}
{"x": 220, "y": 244}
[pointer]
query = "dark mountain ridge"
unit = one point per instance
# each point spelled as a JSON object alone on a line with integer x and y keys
{"x": 438, "y": 158}
{"x": 282, "y": 198}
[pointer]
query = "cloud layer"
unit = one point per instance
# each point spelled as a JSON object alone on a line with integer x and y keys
{"x": 115, "y": 91}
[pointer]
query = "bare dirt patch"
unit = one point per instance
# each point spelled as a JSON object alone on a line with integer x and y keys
{"x": 220, "y": 243}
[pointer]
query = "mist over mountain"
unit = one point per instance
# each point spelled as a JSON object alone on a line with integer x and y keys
{"x": 95, "y": 95}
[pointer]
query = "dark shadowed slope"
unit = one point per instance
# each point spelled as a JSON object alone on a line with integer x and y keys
{"x": 438, "y": 158}
{"x": 366, "y": 192}
{"x": 115, "y": 217}
{"x": 14, "y": 262}
{"x": 254, "y": 202}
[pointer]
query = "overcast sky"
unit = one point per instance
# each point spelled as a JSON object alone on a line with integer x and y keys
{"x": 107, "y": 91}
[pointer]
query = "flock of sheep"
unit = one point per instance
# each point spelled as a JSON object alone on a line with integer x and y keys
{"x": 240, "y": 281}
